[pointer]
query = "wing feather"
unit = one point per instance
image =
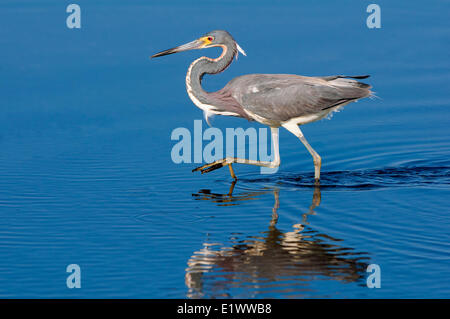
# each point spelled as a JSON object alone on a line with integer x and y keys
{"x": 280, "y": 97}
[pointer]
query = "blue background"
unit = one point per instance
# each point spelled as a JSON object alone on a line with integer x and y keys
{"x": 87, "y": 177}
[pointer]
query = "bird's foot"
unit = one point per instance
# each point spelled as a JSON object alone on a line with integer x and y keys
{"x": 211, "y": 166}
{"x": 216, "y": 165}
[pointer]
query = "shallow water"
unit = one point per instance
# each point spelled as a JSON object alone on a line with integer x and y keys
{"x": 87, "y": 177}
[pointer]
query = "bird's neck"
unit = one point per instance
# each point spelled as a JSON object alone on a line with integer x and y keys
{"x": 205, "y": 65}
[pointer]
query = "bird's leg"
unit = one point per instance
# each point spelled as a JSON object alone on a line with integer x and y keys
{"x": 232, "y": 172}
{"x": 230, "y": 192}
{"x": 230, "y": 160}
{"x": 294, "y": 129}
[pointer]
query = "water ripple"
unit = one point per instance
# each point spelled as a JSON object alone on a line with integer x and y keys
{"x": 363, "y": 179}
{"x": 269, "y": 264}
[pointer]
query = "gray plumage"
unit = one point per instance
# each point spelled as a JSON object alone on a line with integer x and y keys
{"x": 281, "y": 97}
{"x": 272, "y": 99}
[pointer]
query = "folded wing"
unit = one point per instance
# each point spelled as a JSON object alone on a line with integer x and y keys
{"x": 280, "y": 97}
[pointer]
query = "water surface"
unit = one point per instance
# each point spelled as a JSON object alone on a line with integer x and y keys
{"x": 87, "y": 177}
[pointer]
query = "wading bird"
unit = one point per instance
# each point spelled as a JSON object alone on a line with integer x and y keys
{"x": 272, "y": 99}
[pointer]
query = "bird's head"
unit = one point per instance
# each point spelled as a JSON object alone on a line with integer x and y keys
{"x": 218, "y": 38}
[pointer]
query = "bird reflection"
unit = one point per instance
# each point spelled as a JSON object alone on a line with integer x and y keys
{"x": 275, "y": 262}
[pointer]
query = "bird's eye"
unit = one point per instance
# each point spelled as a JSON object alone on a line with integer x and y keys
{"x": 210, "y": 38}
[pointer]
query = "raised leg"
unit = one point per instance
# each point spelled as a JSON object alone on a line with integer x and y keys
{"x": 294, "y": 129}
{"x": 230, "y": 160}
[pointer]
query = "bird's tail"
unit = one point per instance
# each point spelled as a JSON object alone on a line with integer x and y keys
{"x": 347, "y": 82}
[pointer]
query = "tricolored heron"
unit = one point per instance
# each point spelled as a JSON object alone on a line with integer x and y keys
{"x": 272, "y": 99}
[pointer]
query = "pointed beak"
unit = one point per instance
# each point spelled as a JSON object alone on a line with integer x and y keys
{"x": 196, "y": 44}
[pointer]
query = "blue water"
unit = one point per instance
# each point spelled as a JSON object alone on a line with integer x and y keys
{"x": 87, "y": 177}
